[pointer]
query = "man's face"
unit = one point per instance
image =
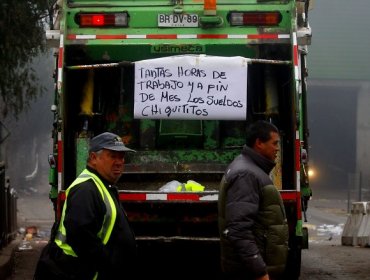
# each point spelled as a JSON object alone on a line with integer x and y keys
{"x": 109, "y": 164}
{"x": 270, "y": 148}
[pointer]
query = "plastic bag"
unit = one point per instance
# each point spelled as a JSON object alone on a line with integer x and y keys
{"x": 172, "y": 186}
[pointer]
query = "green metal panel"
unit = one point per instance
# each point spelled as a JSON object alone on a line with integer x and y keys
{"x": 82, "y": 149}
{"x": 143, "y": 17}
{"x": 169, "y": 2}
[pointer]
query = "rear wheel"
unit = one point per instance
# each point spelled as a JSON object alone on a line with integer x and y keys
{"x": 293, "y": 268}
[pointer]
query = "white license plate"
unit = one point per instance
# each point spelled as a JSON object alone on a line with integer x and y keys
{"x": 178, "y": 20}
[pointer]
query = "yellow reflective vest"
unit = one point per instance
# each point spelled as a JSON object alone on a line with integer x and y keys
{"x": 109, "y": 219}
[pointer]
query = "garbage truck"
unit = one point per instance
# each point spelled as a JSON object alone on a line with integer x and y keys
{"x": 179, "y": 81}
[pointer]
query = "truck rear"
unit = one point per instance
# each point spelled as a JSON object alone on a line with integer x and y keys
{"x": 179, "y": 81}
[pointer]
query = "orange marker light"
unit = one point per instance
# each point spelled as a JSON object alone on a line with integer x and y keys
{"x": 210, "y": 7}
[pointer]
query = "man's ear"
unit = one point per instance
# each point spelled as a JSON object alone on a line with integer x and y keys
{"x": 258, "y": 144}
{"x": 93, "y": 156}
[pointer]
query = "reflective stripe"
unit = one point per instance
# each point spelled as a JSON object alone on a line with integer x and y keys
{"x": 109, "y": 218}
{"x": 259, "y": 36}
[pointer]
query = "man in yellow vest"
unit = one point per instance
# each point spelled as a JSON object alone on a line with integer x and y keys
{"x": 94, "y": 239}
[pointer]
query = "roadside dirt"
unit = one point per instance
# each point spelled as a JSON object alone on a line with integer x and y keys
{"x": 328, "y": 261}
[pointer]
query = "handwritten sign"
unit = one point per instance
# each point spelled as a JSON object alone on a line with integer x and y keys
{"x": 191, "y": 87}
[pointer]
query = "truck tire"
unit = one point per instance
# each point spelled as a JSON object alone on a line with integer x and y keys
{"x": 293, "y": 268}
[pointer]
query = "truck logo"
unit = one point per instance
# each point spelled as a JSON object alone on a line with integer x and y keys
{"x": 168, "y": 48}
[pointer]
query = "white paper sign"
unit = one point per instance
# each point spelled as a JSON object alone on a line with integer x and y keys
{"x": 191, "y": 87}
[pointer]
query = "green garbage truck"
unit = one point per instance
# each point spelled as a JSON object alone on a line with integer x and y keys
{"x": 179, "y": 80}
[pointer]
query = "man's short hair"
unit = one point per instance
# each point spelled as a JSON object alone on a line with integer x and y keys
{"x": 259, "y": 130}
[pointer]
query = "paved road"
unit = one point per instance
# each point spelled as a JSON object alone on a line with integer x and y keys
{"x": 326, "y": 258}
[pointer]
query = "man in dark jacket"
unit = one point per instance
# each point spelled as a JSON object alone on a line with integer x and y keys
{"x": 252, "y": 222}
{"x": 94, "y": 239}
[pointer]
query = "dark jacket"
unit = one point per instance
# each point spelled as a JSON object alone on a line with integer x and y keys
{"x": 252, "y": 223}
{"x": 83, "y": 220}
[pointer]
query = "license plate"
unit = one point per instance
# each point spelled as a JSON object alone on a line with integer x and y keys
{"x": 178, "y": 20}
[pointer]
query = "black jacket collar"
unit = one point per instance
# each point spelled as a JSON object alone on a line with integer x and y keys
{"x": 262, "y": 162}
{"x": 92, "y": 170}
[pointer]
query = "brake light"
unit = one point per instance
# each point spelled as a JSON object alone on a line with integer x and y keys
{"x": 102, "y": 20}
{"x": 255, "y": 18}
{"x": 210, "y": 7}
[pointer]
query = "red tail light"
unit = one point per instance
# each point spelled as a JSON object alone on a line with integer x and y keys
{"x": 254, "y": 18}
{"x": 102, "y": 20}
